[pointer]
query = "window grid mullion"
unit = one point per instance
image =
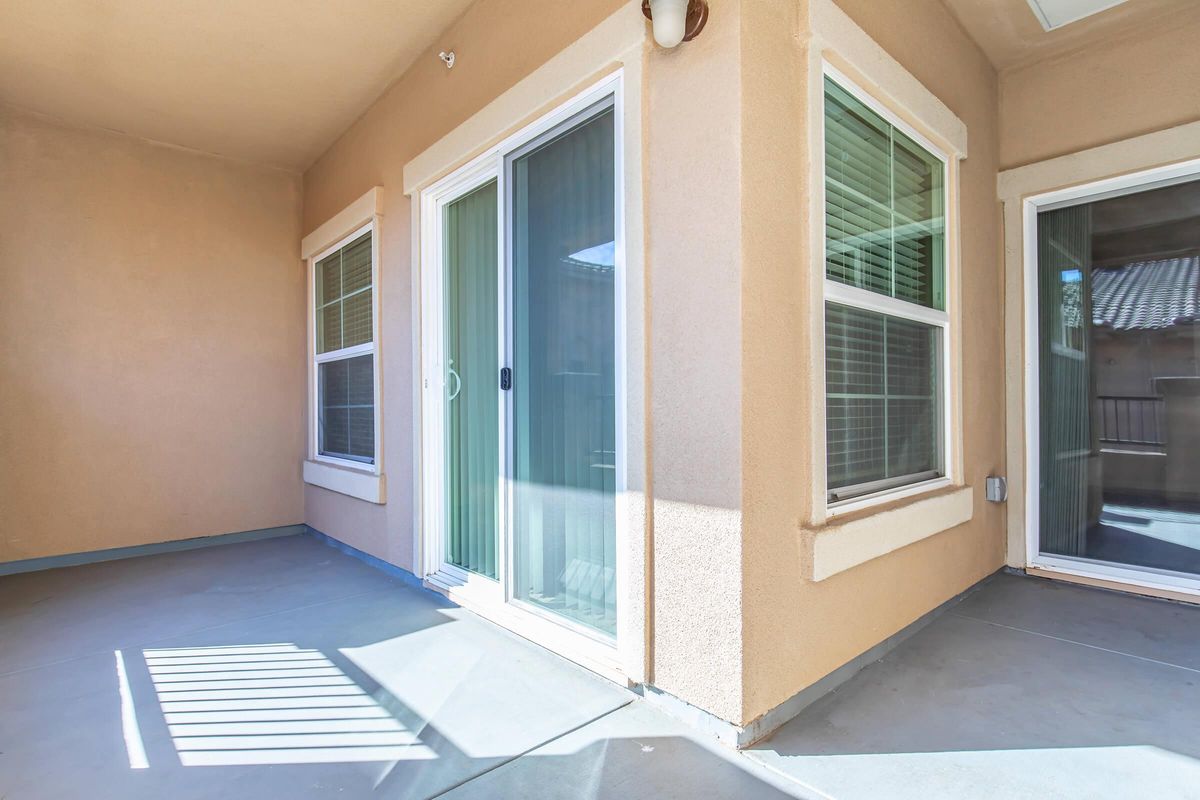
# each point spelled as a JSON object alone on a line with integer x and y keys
{"x": 342, "y": 297}
{"x": 887, "y": 458}
{"x": 845, "y": 429}
{"x": 355, "y": 293}
{"x": 891, "y": 168}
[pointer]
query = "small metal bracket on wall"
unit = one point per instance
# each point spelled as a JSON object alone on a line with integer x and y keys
{"x": 997, "y": 488}
{"x": 447, "y": 58}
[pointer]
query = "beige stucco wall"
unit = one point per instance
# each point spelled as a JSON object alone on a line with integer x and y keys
{"x": 1143, "y": 82}
{"x": 152, "y": 377}
{"x": 796, "y": 630}
{"x": 496, "y": 43}
{"x": 695, "y": 178}
{"x": 735, "y": 627}
{"x": 692, "y": 343}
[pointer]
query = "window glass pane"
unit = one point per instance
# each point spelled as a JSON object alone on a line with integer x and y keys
{"x": 564, "y": 292}
{"x": 884, "y": 205}
{"x": 329, "y": 327}
{"x": 883, "y": 407}
{"x": 356, "y": 319}
{"x": 329, "y": 278}
{"x": 361, "y": 432}
{"x": 333, "y": 421}
{"x": 356, "y": 265}
{"x": 343, "y": 297}
{"x": 346, "y": 414}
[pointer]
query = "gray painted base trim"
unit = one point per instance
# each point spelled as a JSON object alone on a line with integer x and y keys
{"x": 378, "y": 563}
{"x": 743, "y": 737}
{"x": 112, "y": 554}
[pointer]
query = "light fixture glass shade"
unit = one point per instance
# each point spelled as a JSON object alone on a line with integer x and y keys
{"x": 669, "y": 17}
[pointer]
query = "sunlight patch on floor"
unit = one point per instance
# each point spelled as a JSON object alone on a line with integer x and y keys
{"x": 272, "y": 704}
{"x": 1083, "y": 771}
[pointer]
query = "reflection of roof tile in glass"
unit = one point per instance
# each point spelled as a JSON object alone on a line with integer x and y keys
{"x": 1072, "y": 305}
{"x": 1147, "y": 295}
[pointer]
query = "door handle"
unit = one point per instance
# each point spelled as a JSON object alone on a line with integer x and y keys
{"x": 457, "y": 382}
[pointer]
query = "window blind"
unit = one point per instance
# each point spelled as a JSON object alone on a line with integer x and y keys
{"x": 884, "y": 228}
{"x": 881, "y": 397}
{"x": 344, "y": 296}
{"x": 883, "y": 205}
{"x": 347, "y": 414}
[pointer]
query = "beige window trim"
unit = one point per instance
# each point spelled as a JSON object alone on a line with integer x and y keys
{"x": 851, "y": 50}
{"x": 888, "y": 520}
{"x": 838, "y": 547}
{"x": 351, "y": 217}
{"x": 351, "y": 482}
{"x": 365, "y": 481}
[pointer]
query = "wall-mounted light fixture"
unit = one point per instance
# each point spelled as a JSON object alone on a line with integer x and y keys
{"x": 447, "y": 58}
{"x": 675, "y": 21}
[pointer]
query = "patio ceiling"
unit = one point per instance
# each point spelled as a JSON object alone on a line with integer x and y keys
{"x": 1010, "y": 34}
{"x": 272, "y": 81}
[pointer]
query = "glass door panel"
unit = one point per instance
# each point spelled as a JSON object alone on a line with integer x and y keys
{"x": 472, "y": 346}
{"x": 562, "y": 218}
{"x": 1119, "y": 362}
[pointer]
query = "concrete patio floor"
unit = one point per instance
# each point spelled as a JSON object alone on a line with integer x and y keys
{"x": 1026, "y": 688}
{"x": 285, "y": 668}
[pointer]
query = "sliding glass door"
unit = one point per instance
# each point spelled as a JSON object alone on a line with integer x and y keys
{"x": 564, "y": 423}
{"x": 1118, "y": 355}
{"x": 472, "y": 284}
{"x": 524, "y": 356}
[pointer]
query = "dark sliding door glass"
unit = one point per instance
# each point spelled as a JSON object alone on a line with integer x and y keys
{"x": 1119, "y": 378}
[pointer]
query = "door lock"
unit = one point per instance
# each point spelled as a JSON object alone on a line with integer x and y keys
{"x": 505, "y": 378}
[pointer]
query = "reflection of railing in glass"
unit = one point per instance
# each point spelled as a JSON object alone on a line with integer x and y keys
{"x": 1130, "y": 420}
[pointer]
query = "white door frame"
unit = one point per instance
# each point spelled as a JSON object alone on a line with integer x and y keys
{"x": 493, "y": 598}
{"x": 435, "y": 569}
{"x": 1142, "y": 180}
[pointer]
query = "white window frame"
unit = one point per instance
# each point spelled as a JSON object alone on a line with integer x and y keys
{"x": 863, "y": 299}
{"x": 493, "y": 599}
{"x": 1090, "y": 191}
{"x": 367, "y": 348}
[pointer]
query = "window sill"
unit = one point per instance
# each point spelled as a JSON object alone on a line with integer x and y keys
{"x": 353, "y": 482}
{"x": 874, "y": 532}
{"x": 887, "y": 497}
